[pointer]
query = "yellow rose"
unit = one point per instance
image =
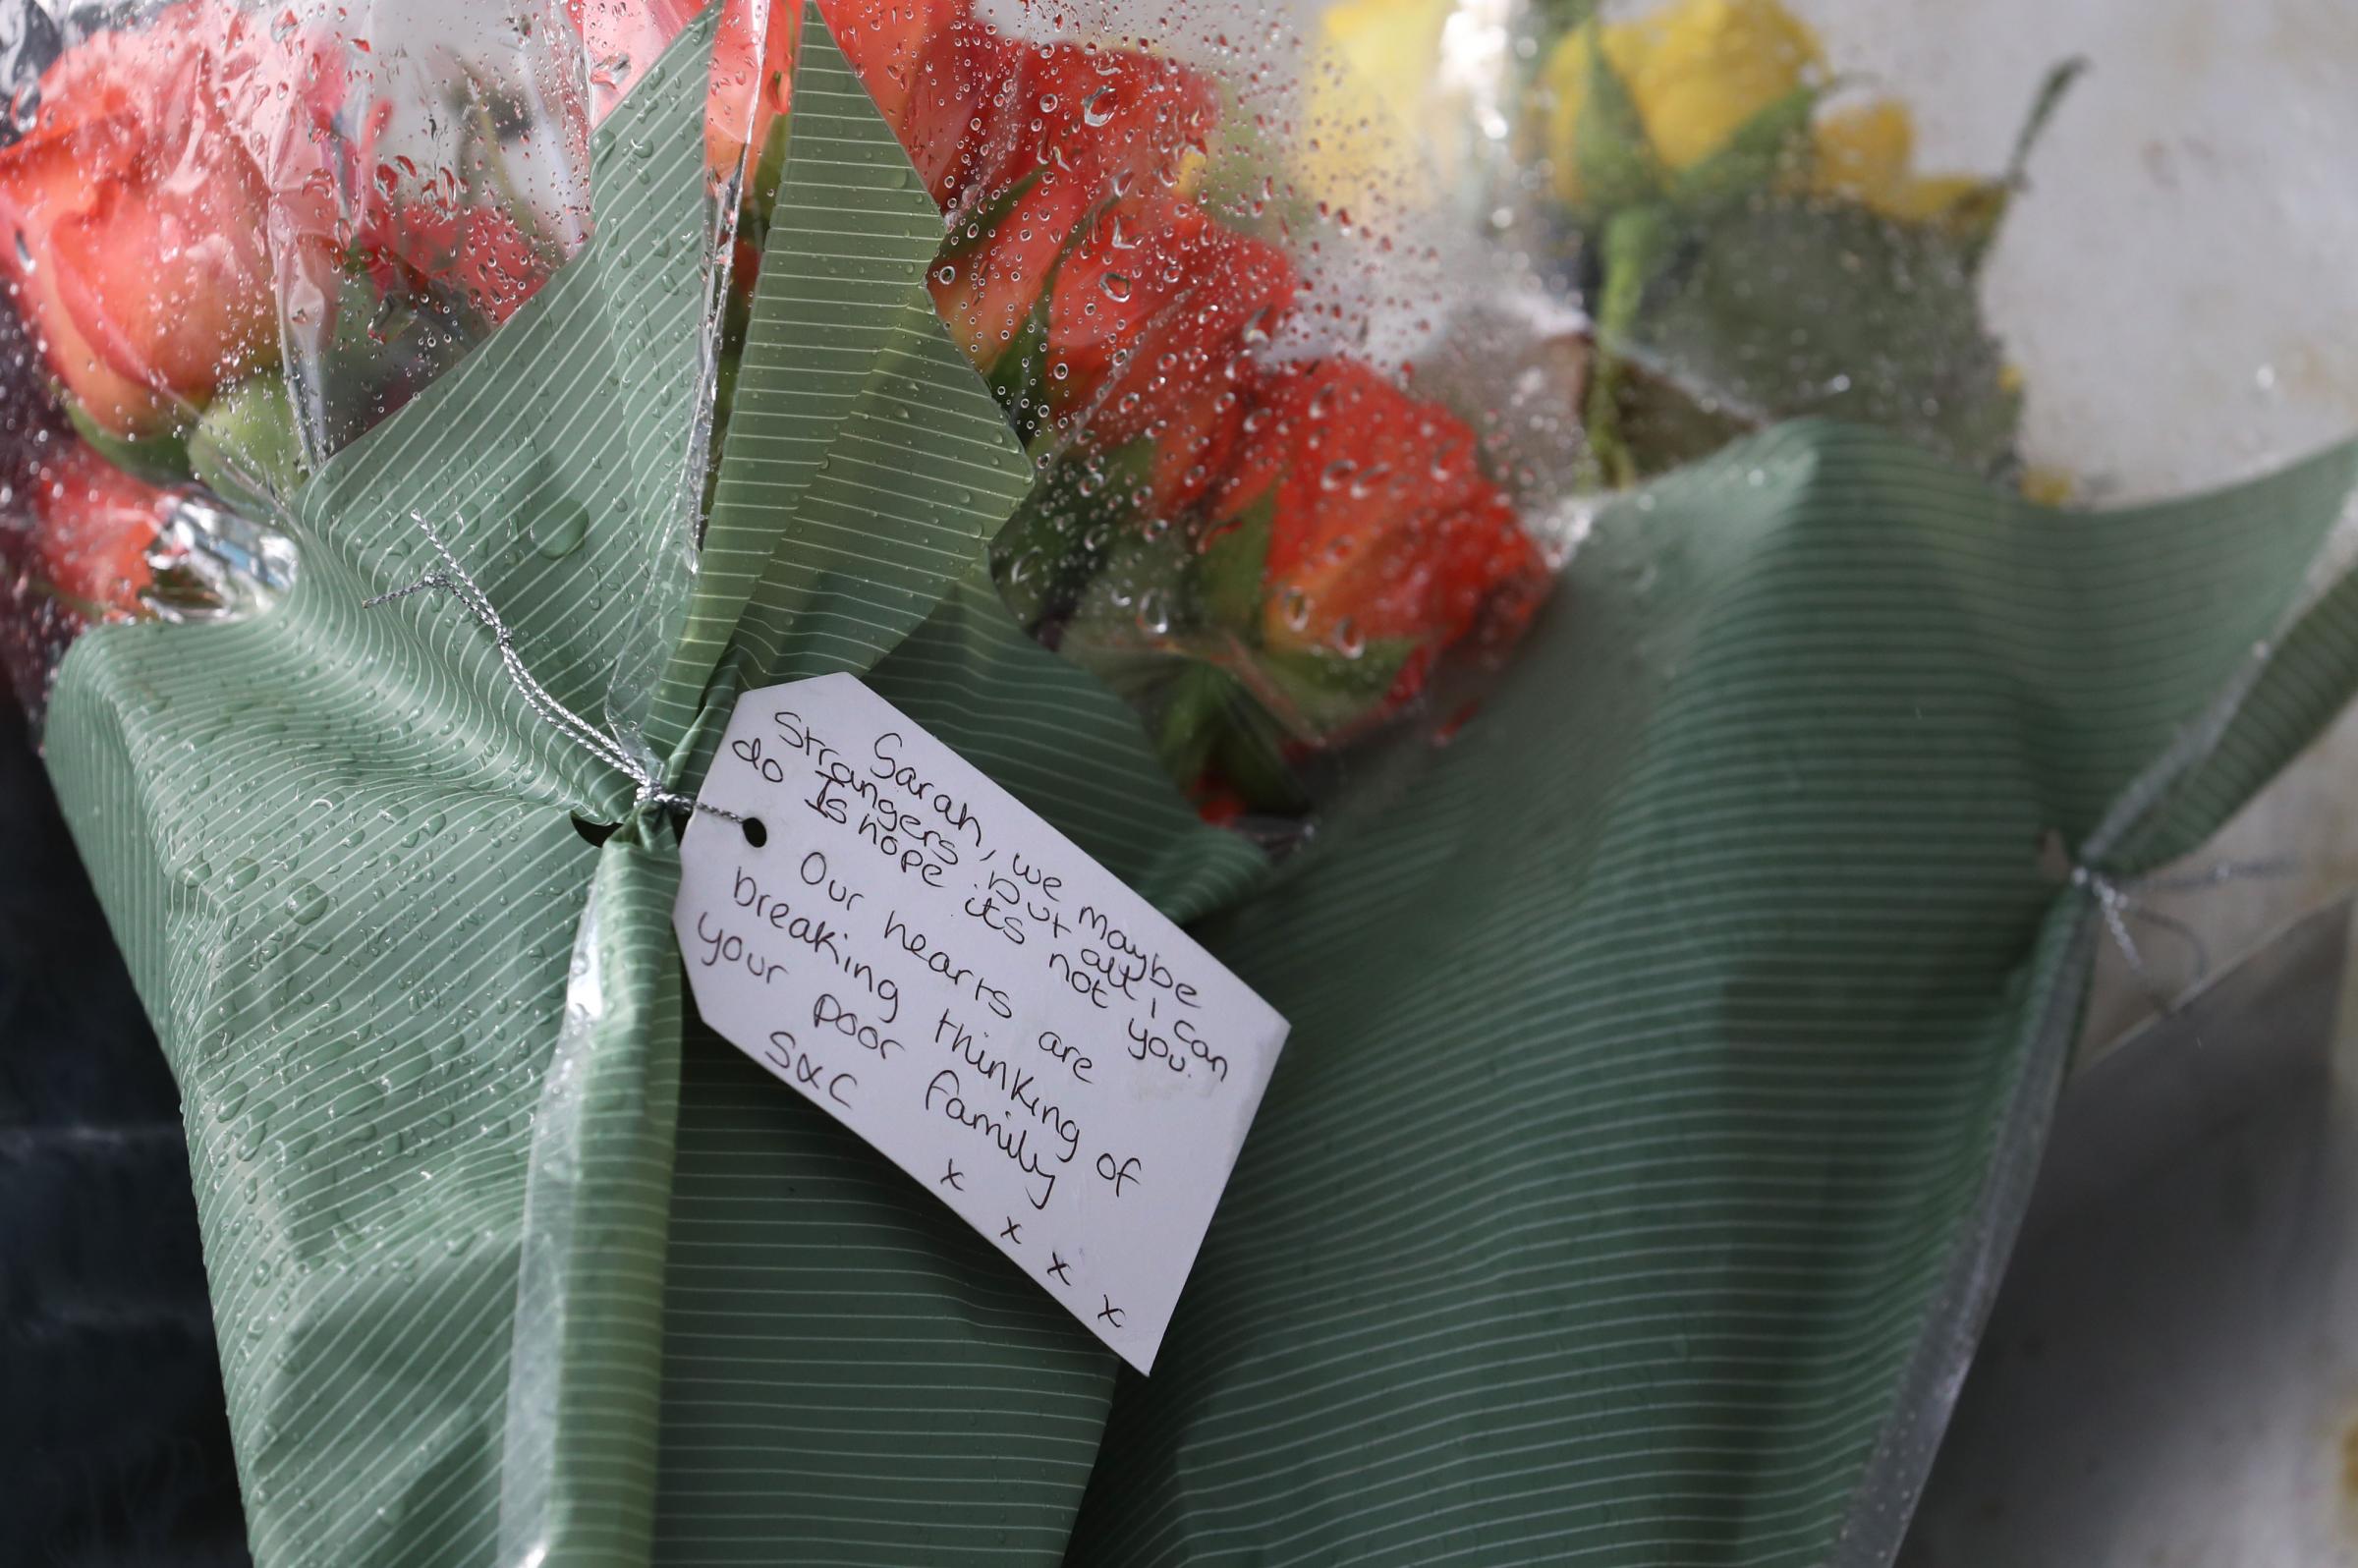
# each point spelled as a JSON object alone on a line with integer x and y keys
{"x": 1867, "y": 154}
{"x": 2043, "y": 485}
{"x": 1863, "y": 153}
{"x": 1696, "y": 69}
{"x": 1710, "y": 65}
{"x": 1370, "y": 81}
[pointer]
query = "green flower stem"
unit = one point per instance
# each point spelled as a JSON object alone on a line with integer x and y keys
{"x": 1637, "y": 244}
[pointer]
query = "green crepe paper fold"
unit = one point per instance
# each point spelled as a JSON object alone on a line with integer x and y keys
{"x": 1667, "y": 1062}
{"x": 1670, "y": 1066}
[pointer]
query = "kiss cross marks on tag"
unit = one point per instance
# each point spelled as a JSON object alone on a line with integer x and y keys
{"x": 925, "y": 959}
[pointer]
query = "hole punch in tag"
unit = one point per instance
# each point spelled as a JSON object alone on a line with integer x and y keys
{"x": 919, "y": 955}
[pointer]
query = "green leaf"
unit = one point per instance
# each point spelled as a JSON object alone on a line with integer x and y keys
{"x": 1204, "y": 719}
{"x": 246, "y": 450}
{"x": 157, "y": 459}
{"x": 1761, "y": 149}
{"x": 1019, "y": 376}
{"x": 1327, "y": 693}
{"x": 2043, "y": 104}
{"x": 966, "y": 234}
{"x": 1552, "y": 19}
{"x": 1662, "y": 424}
{"x": 1245, "y": 181}
{"x": 1248, "y": 756}
{"x": 1061, "y": 537}
{"x": 1617, "y": 165}
{"x": 381, "y": 347}
{"x": 1196, "y": 702}
{"x": 1638, "y": 243}
{"x": 1229, "y": 571}
{"x": 1975, "y": 219}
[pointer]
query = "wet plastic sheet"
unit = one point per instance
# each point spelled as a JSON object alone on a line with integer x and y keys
{"x": 1665, "y": 1065}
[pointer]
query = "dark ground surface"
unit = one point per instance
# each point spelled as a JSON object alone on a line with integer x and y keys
{"x": 114, "y": 1448}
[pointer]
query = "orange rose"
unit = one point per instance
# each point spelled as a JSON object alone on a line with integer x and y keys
{"x": 982, "y": 112}
{"x": 137, "y": 208}
{"x": 753, "y": 79}
{"x": 622, "y": 38}
{"x": 1382, "y": 529}
{"x": 1151, "y": 326}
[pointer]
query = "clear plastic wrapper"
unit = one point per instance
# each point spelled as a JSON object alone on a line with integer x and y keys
{"x": 1325, "y": 328}
{"x": 1253, "y": 515}
{"x": 1975, "y": 228}
{"x": 1292, "y": 547}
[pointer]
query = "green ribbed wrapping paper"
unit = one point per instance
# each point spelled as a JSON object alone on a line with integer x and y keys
{"x": 1668, "y": 1059}
{"x": 1668, "y": 1066}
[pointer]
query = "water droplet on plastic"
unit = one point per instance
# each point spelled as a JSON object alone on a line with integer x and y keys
{"x": 559, "y": 532}
{"x": 305, "y": 903}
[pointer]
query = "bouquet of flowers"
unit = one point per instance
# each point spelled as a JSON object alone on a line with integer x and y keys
{"x": 1667, "y": 1054}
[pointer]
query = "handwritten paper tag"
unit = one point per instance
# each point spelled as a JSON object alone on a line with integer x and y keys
{"x": 926, "y": 960}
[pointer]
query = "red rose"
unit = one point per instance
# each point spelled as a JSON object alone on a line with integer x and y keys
{"x": 1151, "y": 326}
{"x": 93, "y": 527}
{"x": 1382, "y": 529}
{"x": 136, "y": 212}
